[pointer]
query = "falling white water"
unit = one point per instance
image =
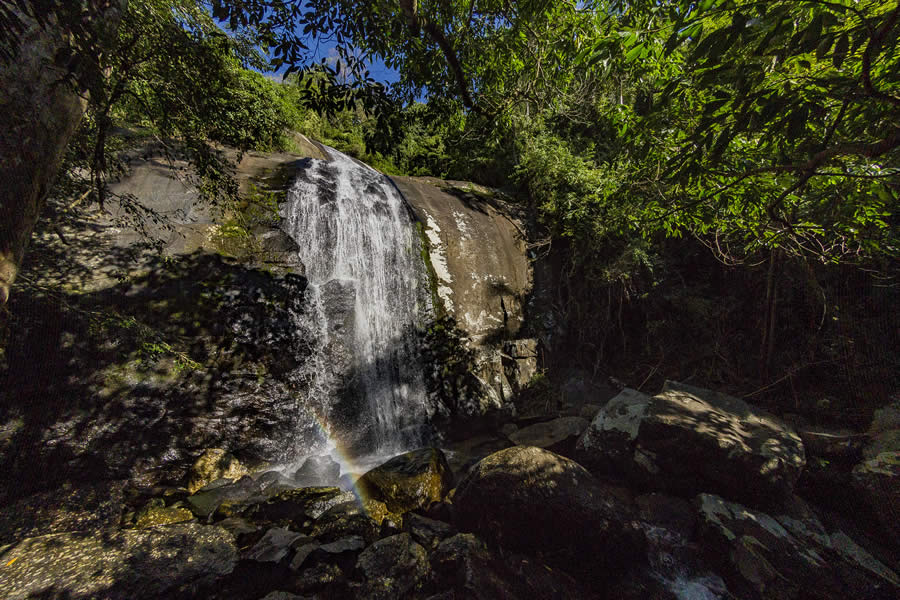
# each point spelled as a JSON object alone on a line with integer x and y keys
{"x": 356, "y": 236}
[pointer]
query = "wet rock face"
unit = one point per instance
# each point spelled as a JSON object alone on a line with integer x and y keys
{"x": 481, "y": 277}
{"x": 477, "y": 252}
{"x": 532, "y": 500}
{"x": 132, "y": 410}
{"x": 205, "y": 503}
{"x": 117, "y": 564}
{"x": 689, "y": 439}
{"x": 298, "y": 505}
{"x": 409, "y": 481}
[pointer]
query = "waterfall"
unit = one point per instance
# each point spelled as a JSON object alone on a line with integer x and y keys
{"x": 362, "y": 260}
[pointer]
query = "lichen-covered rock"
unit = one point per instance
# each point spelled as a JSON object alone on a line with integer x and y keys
{"x": 534, "y": 501}
{"x": 394, "y": 567}
{"x": 323, "y": 580}
{"x": 409, "y": 481}
{"x": 379, "y": 512}
{"x": 690, "y": 440}
{"x": 609, "y": 441}
{"x": 787, "y": 556}
{"x": 214, "y": 463}
{"x": 344, "y": 520}
{"x": 156, "y": 513}
{"x": 558, "y": 435}
{"x": 127, "y": 564}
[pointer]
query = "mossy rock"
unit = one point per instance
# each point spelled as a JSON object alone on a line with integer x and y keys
{"x": 409, "y": 481}
{"x": 378, "y": 512}
{"x": 152, "y": 516}
{"x": 213, "y": 464}
{"x": 343, "y": 520}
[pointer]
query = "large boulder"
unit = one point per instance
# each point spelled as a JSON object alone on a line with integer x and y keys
{"x": 787, "y": 556}
{"x": 125, "y": 564}
{"x": 393, "y": 567}
{"x": 464, "y": 569}
{"x": 345, "y": 520}
{"x": 531, "y": 500}
{"x": 409, "y": 481}
{"x": 690, "y": 440}
{"x": 318, "y": 470}
{"x": 609, "y": 442}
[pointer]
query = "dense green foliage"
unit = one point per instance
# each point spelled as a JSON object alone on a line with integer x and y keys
{"x": 634, "y": 132}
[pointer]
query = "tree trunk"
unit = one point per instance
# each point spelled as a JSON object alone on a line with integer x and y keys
{"x": 39, "y": 112}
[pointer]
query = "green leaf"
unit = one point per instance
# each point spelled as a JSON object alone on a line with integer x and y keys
{"x": 797, "y": 122}
{"x": 634, "y": 53}
{"x": 840, "y": 50}
{"x": 824, "y": 46}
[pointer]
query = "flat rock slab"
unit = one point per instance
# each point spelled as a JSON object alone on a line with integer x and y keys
{"x": 126, "y": 564}
{"x": 551, "y": 434}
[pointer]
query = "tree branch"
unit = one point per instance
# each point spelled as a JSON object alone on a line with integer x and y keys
{"x": 875, "y": 43}
{"x": 417, "y": 23}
